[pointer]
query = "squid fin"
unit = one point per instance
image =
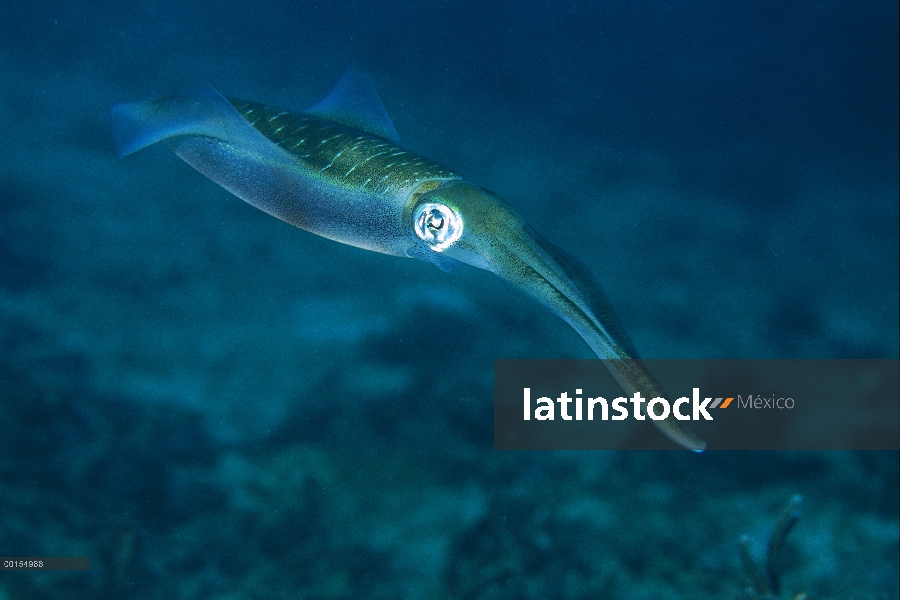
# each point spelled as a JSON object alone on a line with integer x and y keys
{"x": 354, "y": 103}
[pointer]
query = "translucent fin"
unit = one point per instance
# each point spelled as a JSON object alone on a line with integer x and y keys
{"x": 195, "y": 111}
{"x": 353, "y": 102}
{"x": 208, "y": 133}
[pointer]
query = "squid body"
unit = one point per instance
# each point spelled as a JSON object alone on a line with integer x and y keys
{"x": 338, "y": 170}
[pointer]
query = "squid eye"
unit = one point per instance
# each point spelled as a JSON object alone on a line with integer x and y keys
{"x": 434, "y": 221}
{"x": 437, "y": 225}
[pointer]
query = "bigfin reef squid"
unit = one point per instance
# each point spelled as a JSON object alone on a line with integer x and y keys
{"x": 338, "y": 170}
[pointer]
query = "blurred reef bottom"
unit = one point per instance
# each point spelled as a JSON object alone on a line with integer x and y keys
{"x": 320, "y": 510}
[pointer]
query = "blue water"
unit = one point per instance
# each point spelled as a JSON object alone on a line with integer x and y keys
{"x": 212, "y": 404}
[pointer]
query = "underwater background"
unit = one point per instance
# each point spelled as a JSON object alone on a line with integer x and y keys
{"x": 212, "y": 404}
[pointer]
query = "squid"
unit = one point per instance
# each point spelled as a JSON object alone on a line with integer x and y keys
{"x": 338, "y": 170}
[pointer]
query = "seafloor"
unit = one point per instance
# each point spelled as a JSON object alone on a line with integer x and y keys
{"x": 212, "y": 404}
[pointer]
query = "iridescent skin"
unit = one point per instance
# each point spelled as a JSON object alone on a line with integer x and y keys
{"x": 361, "y": 188}
{"x": 350, "y": 158}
